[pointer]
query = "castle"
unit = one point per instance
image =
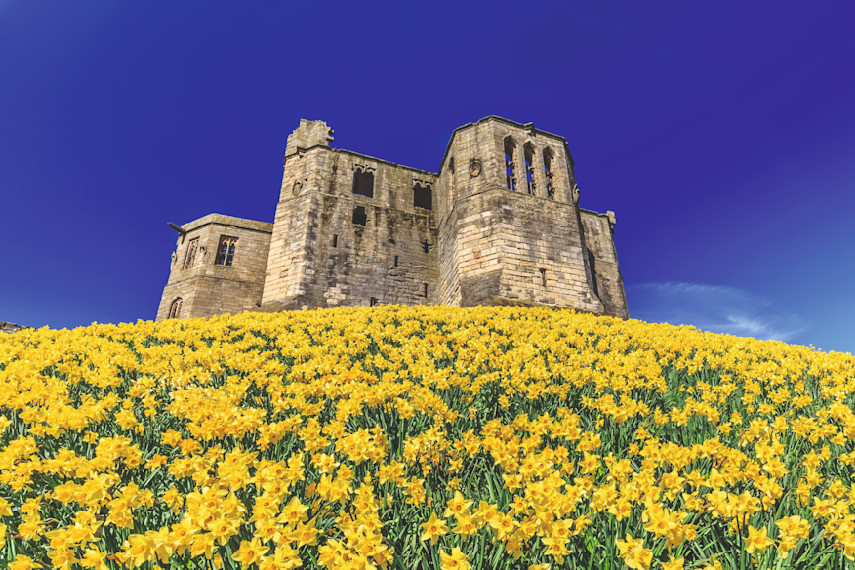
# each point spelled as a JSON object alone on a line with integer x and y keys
{"x": 499, "y": 223}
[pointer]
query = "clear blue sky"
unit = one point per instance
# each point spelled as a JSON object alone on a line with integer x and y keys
{"x": 721, "y": 133}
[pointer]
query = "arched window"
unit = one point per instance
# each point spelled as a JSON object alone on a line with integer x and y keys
{"x": 363, "y": 181}
{"x": 510, "y": 168}
{"x": 529, "y": 167}
{"x": 175, "y": 308}
{"x": 226, "y": 251}
{"x": 190, "y": 257}
{"x": 547, "y": 172}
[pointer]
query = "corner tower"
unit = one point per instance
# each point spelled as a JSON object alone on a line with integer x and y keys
{"x": 510, "y": 229}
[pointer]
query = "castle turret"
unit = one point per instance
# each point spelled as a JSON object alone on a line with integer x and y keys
{"x": 509, "y": 222}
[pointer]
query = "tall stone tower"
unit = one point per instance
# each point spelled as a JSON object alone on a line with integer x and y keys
{"x": 510, "y": 226}
{"x": 350, "y": 229}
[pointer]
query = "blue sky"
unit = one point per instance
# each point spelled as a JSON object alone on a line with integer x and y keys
{"x": 722, "y": 135}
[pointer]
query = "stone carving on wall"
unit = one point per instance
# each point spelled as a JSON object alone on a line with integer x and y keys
{"x": 474, "y": 167}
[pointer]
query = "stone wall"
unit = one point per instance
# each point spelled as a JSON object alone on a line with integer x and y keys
{"x": 600, "y": 239}
{"x": 204, "y": 287}
{"x": 332, "y": 246}
{"x": 10, "y": 327}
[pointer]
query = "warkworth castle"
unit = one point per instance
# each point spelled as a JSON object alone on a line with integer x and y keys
{"x": 498, "y": 224}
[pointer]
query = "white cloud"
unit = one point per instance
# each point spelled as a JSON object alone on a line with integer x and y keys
{"x": 714, "y": 308}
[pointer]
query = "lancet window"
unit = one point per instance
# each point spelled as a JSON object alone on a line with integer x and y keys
{"x": 510, "y": 166}
{"x": 547, "y": 173}
{"x": 529, "y": 167}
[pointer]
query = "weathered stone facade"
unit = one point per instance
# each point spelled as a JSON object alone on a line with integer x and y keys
{"x": 498, "y": 224}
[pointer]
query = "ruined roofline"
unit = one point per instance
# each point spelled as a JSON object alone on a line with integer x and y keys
{"x": 366, "y": 156}
{"x": 529, "y": 126}
{"x": 608, "y": 214}
{"x": 223, "y": 220}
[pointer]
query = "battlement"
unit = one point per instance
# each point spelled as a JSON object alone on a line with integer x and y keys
{"x": 499, "y": 223}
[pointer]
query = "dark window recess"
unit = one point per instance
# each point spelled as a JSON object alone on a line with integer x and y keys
{"x": 226, "y": 251}
{"x": 360, "y": 218}
{"x": 335, "y": 240}
{"x": 593, "y": 272}
{"x": 373, "y": 301}
{"x": 426, "y": 246}
{"x": 543, "y": 276}
{"x": 547, "y": 171}
{"x": 529, "y": 167}
{"x": 363, "y": 183}
{"x": 422, "y": 196}
{"x": 426, "y": 289}
{"x": 510, "y": 167}
{"x": 396, "y": 261}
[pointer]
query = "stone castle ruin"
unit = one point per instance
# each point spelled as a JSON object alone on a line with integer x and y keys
{"x": 498, "y": 224}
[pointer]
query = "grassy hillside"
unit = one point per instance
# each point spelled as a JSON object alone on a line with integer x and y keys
{"x": 422, "y": 438}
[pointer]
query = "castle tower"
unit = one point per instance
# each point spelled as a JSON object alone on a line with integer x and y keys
{"x": 509, "y": 223}
{"x": 350, "y": 229}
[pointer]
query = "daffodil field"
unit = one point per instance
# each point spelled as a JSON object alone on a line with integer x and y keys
{"x": 422, "y": 437}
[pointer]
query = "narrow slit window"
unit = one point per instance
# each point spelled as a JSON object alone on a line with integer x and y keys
{"x": 592, "y": 263}
{"x": 360, "y": 218}
{"x": 363, "y": 182}
{"x": 335, "y": 240}
{"x": 426, "y": 246}
{"x": 396, "y": 261}
{"x": 529, "y": 168}
{"x": 451, "y": 178}
{"x": 190, "y": 257}
{"x": 426, "y": 290}
{"x": 421, "y": 196}
{"x": 373, "y": 301}
{"x": 543, "y": 276}
{"x": 226, "y": 251}
{"x": 510, "y": 169}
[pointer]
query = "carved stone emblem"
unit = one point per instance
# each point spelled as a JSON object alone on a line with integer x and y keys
{"x": 474, "y": 167}
{"x": 298, "y": 187}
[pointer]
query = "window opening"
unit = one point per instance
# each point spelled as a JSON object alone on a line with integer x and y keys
{"x": 547, "y": 171}
{"x": 426, "y": 290}
{"x": 396, "y": 261}
{"x": 360, "y": 218}
{"x": 226, "y": 251}
{"x": 335, "y": 240}
{"x": 510, "y": 174}
{"x": 192, "y": 248}
{"x": 593, "y": 272}
{"x": 426, "y": 246}
{"x": 175, "y": 308}
{"x": 373, "y": 301}
{"x": 543, "y": 276}
{"x": 529, "y": 167}
{"x": 451, "y": 178}
{"x": 363, "y": 182}
{"x": 422, "y": 196}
